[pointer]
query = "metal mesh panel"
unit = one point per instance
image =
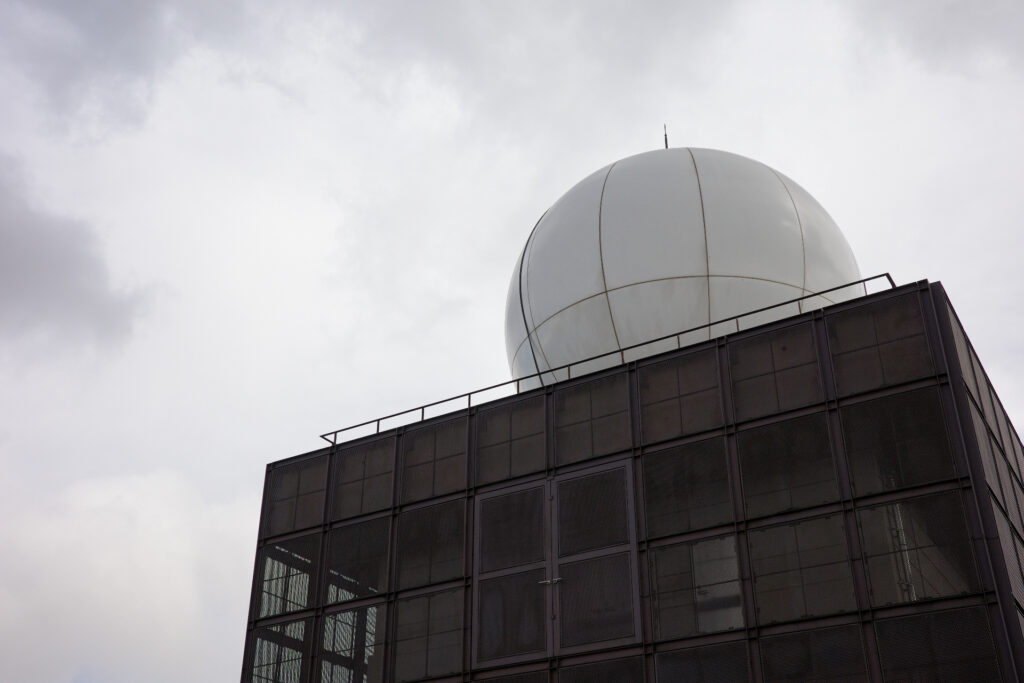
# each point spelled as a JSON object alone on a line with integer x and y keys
{"x": 431, "y": 544}
{"x": 629, "y": 670}
{"x": 687, "y": 488}
{"x": 280, "y": 653}
{"x": 295, "y": 496}
{"x": 512, "y": 615}
{"x": 897, "y": 441}
{"x": 954, "y": 645}
{"x": 801, "y": 570}
{"x": 879, "y": 344}
{"x": 1010, "y": 545}
{"x": 357, "y": 560}
{"x": 512, "y": 529}
{"x": 510, "y": 441}
{"x": 726, "y": 663}
{"x": 787, "y": 465}
{"x": 428, "y": 636}
{"x": 988, "y": 456}
{"x": 353, "y": 646}
{"x": 592, "y": 419}
{"x": 696, "y": 588}
{"x": 835, "y": 655}
{"x": 592, "y": 512}
{"x": 917, "y": 549}
{"x": 595, "y": 600}
{"x": 362, "y": 480}
{"x": 287, "y": 575}
{"x": 535, "y": 677}
{"x": 680, "y": 396}
{"x": 963, "y": 353}
{"x": 434, "y": 460}
{"x": 775, "y": 371}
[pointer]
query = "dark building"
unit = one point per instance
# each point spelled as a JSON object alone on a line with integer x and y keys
{"x": 834, "y": 496}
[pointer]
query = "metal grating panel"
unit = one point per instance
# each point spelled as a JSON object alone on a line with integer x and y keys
{"x": 835, "y": 655}
{"x": 726, "y": 663}
{"x": 592, "y": 512}
{"x": 879, "y": 344}
{"x": 280, "y": 653}
{"x": 897, "y": 441}
{"x": 954, "y": 645}
{"x": 592, "y": 419}
{"x": 510, "y": 441}
{"x": 363, "y": 479}
{"x": 512, "y": 615}
{"x": 687, "y": 488}
{"x": 512, "y": 529}
{"x": 287, "y": 575}
{"x": 431, "y": 544}
{"x": 357, "y": 560}
{"x": 787, "y": 465}
{"x": 353, "y": 646}
{"x": 801, "y": 570}
{"x": 917, "y": 549}
{"x": 595, "y": 600}
{"x": 428, "y": 636}
{"x": 434, "y": 460}
{"x": 629, "y": 670}
{"x": 775, "y": 371}
{"x": 695, "y": 588}
{"x": 295, "y": 496}
{"x": 680, "y": 396}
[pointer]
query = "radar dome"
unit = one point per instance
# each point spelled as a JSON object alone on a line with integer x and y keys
{"x": 663, "y": 242}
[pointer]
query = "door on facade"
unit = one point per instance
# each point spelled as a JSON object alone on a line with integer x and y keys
{"x": 555, "y": 567}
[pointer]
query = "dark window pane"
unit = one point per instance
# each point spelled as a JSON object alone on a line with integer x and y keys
{"x": 897, "y": 441}
{"x": 801, "y": 570}
{"x": 710, "y": 664}
{"x": 534, "y": 677}
{"x": 357, "y": 560}
{"x": 616, "y": 671}
{"x": 592, "y": 419}
{"x": 512, "y": 615}
{"x": 954, "y": 645}
{"x": 687, "y": 488}
{"x": 595, "y": 600}
{"x": 431, "y": 544}
{"x": 510, "y": 441}
{"x": 280, "y": 653}
{"x": 434, "y": 460}
{"x": 353, "y": 646}
{"x": 512, "y": 529}
{"x": 592, "y": 512}
{"x": 287, "y": 576}
{"x": 787, "y": 465}
{"x": 696, "y": 588}
{"x": 835, "y": 655}
{"x": 680, "y": 396}
{"x": 879, "y": 344}
{"x": 774, "y": 371}
{"x": 362, "y": 479}
{"x": 428, "y": 636}
{"x": 917, "y": 549}
{"x": 295, "y": 496}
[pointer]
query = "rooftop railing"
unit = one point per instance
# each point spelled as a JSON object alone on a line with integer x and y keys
{"x": 586, "y": 366}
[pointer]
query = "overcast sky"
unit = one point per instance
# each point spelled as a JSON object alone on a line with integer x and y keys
{"x": 227, "y": 227}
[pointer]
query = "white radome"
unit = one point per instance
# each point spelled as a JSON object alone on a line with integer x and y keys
{"x": 663, "y": 242}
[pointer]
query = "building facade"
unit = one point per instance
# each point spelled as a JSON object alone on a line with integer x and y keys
{"x": 834, "y": 496}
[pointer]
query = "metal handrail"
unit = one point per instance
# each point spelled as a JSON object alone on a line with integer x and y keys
{"x": 420, "y": 412}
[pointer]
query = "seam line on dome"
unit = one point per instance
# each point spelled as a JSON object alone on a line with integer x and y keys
{"x": 704, "y": 224}
{"x": 522, "y": 306}
{"x": 800, "y": 225}
{"x": 600, "y": 254}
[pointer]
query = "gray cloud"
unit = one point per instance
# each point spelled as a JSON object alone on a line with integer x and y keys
{"x": 103, "y": 55}
{"x": 54, "y": 283}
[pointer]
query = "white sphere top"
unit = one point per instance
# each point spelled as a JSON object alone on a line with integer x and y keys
{"x": 667, "y": 241}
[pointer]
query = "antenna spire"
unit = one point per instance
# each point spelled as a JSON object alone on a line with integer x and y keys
{"x": 665, "y": 126}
